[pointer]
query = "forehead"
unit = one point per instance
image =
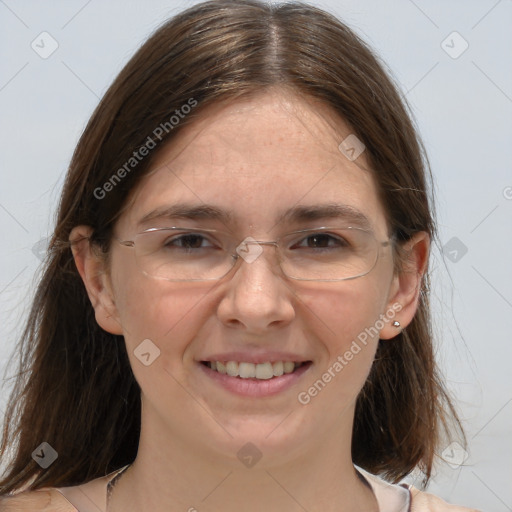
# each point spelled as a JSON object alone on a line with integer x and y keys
{"x": 256, "y": 159}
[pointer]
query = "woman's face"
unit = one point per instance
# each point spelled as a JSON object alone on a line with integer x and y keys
{"x": 256, "y": 160}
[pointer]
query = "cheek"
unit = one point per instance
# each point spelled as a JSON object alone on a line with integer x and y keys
{"x": 338, "y": 315}
{"x": 343, "y": 321}
{"x": 166, "y": 313}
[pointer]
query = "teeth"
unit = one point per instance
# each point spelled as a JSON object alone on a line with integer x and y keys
{"x": 232, "y": 368}
{"x": 247, "y": 370}
{"x": 278, "y": 369}
{"x": 288, "y": 366}
{"x": 263, "y": 371}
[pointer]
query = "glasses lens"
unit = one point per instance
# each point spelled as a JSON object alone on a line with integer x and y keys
{"x": 176, "y": 254}
{"x": 323, "y": 254}
{"x": 329, "y": 254}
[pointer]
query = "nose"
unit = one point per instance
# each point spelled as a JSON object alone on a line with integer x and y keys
{"x": 256, "y": 297}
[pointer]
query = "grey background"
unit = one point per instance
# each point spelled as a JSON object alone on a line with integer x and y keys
{"x": 462, "y": 106}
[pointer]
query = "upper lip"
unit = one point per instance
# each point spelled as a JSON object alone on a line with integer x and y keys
{"x": 256, "y": 358}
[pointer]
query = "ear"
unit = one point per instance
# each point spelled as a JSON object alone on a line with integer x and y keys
{"x": 92, "y": 269}
{"x": 406, "y": 286}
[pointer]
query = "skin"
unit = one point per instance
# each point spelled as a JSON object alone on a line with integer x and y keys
{"x": 256, "y": 157}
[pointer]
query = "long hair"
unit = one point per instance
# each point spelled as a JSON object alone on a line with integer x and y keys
{"x": 75, "y": 388}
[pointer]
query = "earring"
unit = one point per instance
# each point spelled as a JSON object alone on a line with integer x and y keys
{"x": 396, "y": 323}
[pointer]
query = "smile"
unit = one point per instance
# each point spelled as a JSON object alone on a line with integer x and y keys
{"x": 255, "y": 380}
{"x": 262, "y": 371}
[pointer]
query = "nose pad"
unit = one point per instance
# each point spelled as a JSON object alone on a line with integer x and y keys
{"x": 251, "y": 249}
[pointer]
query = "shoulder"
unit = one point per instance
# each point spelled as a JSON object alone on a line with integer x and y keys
{"x": 48, "y": 500}
{"x": 425, "y": 502}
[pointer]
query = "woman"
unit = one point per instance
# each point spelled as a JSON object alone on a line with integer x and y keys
{"x": 234, "y": 312}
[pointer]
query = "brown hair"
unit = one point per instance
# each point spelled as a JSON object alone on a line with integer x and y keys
{"x": 75, "y": 388}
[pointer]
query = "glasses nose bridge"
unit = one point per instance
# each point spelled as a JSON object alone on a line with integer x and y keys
{"x": 249, "y": 241}
{"x": 264, "y": 242}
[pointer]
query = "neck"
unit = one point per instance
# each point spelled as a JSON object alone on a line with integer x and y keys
{"x": 175, "y": 473}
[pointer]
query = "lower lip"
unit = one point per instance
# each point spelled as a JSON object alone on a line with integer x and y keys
{"x": 256, "y": 387}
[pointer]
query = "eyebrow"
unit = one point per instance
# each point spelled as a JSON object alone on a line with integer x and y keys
{"x": 345, "y": 212}
{"x": 190, "y": 212}
{"x": 296, "y": 214}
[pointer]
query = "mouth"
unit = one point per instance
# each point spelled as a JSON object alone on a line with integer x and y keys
{"x": 261, "y": 371}
{"x": 255, "y": 380}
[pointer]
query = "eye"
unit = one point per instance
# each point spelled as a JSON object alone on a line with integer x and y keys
{"x": 187, "y": 241}
{"x": 323, "y": 241}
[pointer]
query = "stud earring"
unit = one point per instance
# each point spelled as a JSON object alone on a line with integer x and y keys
{"x": 396, "y": 323}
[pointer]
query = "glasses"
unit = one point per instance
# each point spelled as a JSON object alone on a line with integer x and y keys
{"x": 319, "y": 254}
